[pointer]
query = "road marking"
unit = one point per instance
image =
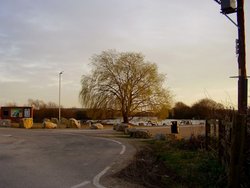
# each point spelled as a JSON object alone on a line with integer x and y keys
{"x": 98, "y": 176}
{"x": 123, "y": 146}
{"x": 81, "y": 184}
{"x": 123, "y": 149}
{"x": 7, "y": 135}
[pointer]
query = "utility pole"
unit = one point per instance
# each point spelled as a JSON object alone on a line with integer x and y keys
{"x": 236, "y": 170}
{"x": 229, "y": 7}
{"x": 242, "y": 82}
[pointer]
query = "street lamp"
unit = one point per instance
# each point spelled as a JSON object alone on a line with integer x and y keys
{"x": 59, "y": 113}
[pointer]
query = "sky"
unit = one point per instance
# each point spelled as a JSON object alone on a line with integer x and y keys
{"x": 190, "y": 41}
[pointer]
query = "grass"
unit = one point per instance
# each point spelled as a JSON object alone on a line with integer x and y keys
{"x": 194, "y": 166}
{"x": 175, "y": 163}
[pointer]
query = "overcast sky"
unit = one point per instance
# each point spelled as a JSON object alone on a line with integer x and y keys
{"x": 190, "y": 41}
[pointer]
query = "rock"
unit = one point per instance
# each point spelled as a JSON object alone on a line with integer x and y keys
{"x": 49, "y": 125}
{"x": 129, "y": 130}
{"x": 73, "y": 123}
{"x": 141, "y": 124}
{"x": 46, "y": 119}
{"x": 26, "y": 123}
{"x": 115, "y": 126}
{"x": 64, "y": 121}
{"x": 139, "y": 133}
{"x": 95, "y": 126}
{"x": 122, "y": 126}
{"x": 55, "y": 120}
{"x": 5, "y": 123}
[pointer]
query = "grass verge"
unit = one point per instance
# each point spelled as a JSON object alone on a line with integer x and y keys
{"x": 175, "y": 163}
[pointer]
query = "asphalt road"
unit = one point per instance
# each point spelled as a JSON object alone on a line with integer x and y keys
{"x": 54, "y": 158}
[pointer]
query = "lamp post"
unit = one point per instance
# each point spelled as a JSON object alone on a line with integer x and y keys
{"x": 59, "y": 108}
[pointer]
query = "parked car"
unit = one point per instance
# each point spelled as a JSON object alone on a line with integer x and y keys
{"x": 152, "y": 123}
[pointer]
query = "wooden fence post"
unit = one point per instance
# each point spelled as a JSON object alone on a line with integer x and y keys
{"x": 215, "y": 133}
{"x": 221, "y": 143}
{"x": 237, "y": 150}
{"x": 207, "y": 134}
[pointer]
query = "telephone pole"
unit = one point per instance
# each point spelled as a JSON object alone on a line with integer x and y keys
{"x": 242, "y": 82}
{"x": 238, "y": 131}
{"x": 229, "y": 7}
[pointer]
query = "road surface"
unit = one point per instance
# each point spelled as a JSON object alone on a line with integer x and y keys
{"x": 54, "y": 158}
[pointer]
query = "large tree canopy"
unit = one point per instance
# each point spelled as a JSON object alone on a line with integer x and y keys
{"x": 207, "y": 109}
{"x": 202, "y": 109}
{"x": 182, "y": 111}
{"x": 125, "y": 82}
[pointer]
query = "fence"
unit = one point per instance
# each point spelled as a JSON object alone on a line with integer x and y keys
{"x": 229, "y": 139}
{"x": 247, "y": 152}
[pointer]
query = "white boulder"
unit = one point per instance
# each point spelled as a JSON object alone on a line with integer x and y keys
{"x": 95, "y": 126}
{"x": 49, "y": 125}
{"x": 73, "y": 123}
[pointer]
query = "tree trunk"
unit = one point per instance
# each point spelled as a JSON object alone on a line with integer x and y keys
{"x": 125, "y": 117}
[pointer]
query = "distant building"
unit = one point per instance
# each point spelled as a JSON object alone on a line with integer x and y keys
{"x": 15, "y": 113}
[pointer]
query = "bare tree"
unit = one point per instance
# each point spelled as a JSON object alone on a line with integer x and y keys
{"x": 52, "y": 105}
{"x": 12, "y": 104}
{"x": 125, "y": 82}
{"x": 38, "y": 104}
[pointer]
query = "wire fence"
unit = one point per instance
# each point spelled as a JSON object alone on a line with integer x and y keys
{"x": 229, "y": 140}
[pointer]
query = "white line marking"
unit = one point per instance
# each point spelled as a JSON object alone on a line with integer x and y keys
{"x": 81, "y": 184}
{"x": 7, "y": 135}
{"x": 98, "y": 176}
{"x": 123, "y": 146}
{"x": 114, "y": 141}
{"x": 123, "y": 150}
